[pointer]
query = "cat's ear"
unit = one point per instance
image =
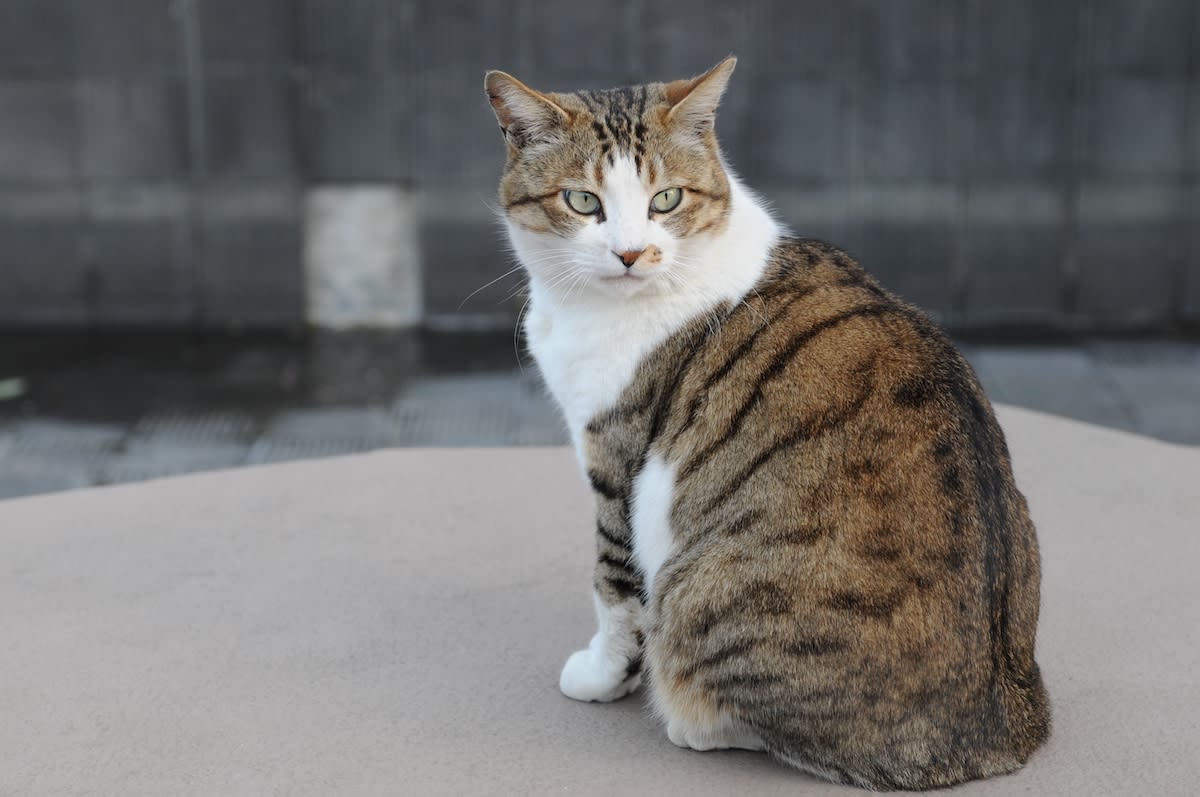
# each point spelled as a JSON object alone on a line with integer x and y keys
{"x": 694, "y": 101}
{"x": 525, "y": 116}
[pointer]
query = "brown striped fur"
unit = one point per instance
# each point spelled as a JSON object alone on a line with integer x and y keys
{"x": 855, "y": 576}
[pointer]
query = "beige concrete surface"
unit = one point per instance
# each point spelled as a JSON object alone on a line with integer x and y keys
{"x": 393, "y": 624}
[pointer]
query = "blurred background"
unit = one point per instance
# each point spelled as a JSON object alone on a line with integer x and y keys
{"x": 240, "y": 231}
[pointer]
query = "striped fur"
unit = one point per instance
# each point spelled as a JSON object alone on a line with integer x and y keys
{"x": 852, "y": 577}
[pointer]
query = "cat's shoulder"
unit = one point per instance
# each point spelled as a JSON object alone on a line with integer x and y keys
{"x": 820, "y": 281}
{"x": 811, "y": 261}
{"x": 808, "y": 265}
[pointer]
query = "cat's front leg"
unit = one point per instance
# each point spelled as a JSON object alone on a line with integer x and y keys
{"x": 610, "y": 666}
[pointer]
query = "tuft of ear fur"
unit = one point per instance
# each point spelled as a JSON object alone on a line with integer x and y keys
{"x": 694, "y": 101}
{"x": 526, "y": 116}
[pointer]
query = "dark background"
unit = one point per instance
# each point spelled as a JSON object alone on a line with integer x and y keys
{"x": 1015, "y": 165}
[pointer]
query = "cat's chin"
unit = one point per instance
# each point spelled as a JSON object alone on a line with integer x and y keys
{"x": 626, "y": 284}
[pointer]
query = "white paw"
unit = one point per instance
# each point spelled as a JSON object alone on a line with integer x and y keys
{"x": 590, "y": 677}
{"x": 685, "y": 735}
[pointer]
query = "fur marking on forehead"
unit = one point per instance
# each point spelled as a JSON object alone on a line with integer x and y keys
{"x": 619, "y": 121}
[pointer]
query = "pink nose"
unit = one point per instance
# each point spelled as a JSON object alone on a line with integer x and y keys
{"x": 630, "y": 257}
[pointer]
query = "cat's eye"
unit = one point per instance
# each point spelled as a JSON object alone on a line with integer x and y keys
{"x": 583, "y": 202}
{"x": 667, "y": 200}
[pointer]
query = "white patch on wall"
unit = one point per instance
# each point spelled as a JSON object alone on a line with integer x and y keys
{"x": 361, "y": 257}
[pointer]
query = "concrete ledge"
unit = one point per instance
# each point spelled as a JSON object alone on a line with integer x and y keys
{"x": 393, "y": 623}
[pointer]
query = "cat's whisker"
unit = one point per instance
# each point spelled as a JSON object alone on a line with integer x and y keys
{"x": 517, "y": 335}
{"x": 552, "y": 270}
{"x": 549, "y": 257}
{"x": 520, "y": 288}
{"x": 508, "y": 273}
{"x": 495, "y": 209}
{"x": 752, "y": 309}
{"x": 558, "y": 249}
{"x": 544, "y": 256}
{"x": 762, "y": 319}
{"x": 561, "y": 277}
{"x": 554, "y": 267}
{"x": 581, "y": 277}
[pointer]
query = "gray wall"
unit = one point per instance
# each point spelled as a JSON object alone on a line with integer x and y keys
{"x": 1002, "y": 163}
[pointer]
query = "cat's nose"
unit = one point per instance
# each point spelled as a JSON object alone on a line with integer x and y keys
{"x": 630, "y": 257}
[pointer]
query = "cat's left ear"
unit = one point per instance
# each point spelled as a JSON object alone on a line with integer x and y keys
{"x": 694, "y": 102}
{"x": 526, "y": 116}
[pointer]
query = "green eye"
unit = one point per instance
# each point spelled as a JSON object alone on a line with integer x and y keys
{"x": 667, "y": 200}
{"x": 584, "y": 203}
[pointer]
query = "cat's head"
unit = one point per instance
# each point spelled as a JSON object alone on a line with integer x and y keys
{"x": 615, "y": 191}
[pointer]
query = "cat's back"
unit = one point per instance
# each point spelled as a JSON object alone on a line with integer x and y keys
{"x": 855, "y": 569}
{"x": 819, "y": 348}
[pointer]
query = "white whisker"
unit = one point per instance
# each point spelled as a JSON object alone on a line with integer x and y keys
{"x": 517, "y": 336}
{"x": 581, "y": 277}
{"x": 562, "y": 276}
{"x": 522, "y": 287}
{"x": 488, "y": 284}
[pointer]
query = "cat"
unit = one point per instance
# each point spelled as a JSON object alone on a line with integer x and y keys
{"x": 808, "y": 536}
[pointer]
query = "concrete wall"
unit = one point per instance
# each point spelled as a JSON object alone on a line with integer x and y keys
{"x": 1002, "y": 163}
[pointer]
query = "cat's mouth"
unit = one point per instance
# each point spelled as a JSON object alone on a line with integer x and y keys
{"x": 628, "y": 276}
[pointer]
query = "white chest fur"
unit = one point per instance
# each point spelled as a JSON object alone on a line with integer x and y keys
{"x": 588, "y": 357}
{"x": 653, "y": 493}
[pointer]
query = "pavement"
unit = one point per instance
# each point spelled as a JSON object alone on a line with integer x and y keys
{"x": 78, "y": 410}
{"x": 394, "y": 623}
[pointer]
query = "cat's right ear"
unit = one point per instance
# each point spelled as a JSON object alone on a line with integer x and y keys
{"x": 525, "y": 116}
{"x": 694, "y": 102}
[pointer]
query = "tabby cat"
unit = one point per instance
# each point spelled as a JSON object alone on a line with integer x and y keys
{"x": 808, "y": 537}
